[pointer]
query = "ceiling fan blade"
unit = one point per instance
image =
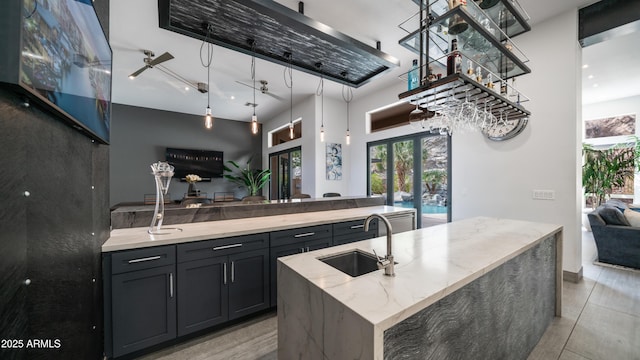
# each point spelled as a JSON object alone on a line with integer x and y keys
{"x": 274, "y": 96}
{"x": 241, "y": 83}
{"x": 160, "y": 59}
{"x": 262, "y": 92}
{"x": 139, "y": 71}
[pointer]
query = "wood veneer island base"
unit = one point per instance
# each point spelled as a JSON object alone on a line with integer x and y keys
{"x": 481, "y": 288}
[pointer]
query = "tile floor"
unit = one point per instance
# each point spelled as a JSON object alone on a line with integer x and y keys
{"x": 600, "y": 321}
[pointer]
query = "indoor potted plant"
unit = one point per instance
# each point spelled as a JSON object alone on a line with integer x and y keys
{"x": 252, "y": 179}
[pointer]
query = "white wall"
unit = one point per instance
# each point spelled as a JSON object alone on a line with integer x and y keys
{"x": 497, "y": 178}
{"x": 335, "y": 128}
{"x": 314, "y": 181}
{"x": 605, "y": 109}
{"x": 304, "y": 109}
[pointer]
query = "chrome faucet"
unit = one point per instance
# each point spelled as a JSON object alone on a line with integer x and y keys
{"x": 386, "y": 262}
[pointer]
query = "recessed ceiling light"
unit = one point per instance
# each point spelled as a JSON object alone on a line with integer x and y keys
{"x": 590, "y": 77}
{"x": 186, "y": 88}
{"x": 232, "y": 97}
{"x": 585, "y": 66}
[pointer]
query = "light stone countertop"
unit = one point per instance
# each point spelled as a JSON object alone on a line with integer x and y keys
{"x": 431, "y": 263}
{"x": 133, "y": 238}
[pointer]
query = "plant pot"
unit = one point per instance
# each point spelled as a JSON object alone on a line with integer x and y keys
{"x": 253, "y": 199}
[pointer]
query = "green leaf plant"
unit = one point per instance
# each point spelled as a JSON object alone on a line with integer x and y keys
{"x": 603, "y": 170}
{"x": 252, "y": 179}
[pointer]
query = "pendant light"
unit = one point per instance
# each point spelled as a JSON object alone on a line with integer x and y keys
{"x": 208, "y": 118}
{"x": 254, "y": 118}
{"x": 347, "y": 96}
{"x": 320, "y": 92}
{"x": 289, "y": 56}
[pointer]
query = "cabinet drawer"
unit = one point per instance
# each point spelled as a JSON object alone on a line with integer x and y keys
{"x": 212, "y": 248}
{"x": 354, "y": 227}
{"x": 350, "y": 231}
{"x": 286, "y": 237}
{"x": 132, "y": 260}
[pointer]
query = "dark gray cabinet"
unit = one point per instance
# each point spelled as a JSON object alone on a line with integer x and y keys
{"x": 351, "y": 231}
{"x": 221, "y": 280}
{"x": 203, "y": 294}
{"x": 143, "y": 301}
{"x": 157, "y": 294}
{"x": 295, "y": 241}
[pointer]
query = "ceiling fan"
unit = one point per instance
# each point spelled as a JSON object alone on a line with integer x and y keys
{"x": 263, "y": 89}
{"x": 150, "y": 62}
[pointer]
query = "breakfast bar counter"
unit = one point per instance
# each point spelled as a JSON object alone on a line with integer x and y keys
{"x": 471, "y": 289}
{"x": 133, "y": 238}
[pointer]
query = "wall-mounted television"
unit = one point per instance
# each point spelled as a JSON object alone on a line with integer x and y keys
{"x": 56, "y": 52}
{"x": 205, "y": 163}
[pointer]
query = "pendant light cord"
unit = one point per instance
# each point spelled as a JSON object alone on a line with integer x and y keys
{"x": 209, "y": 59}
{"x": 289, "y": 84}
{"x": 347, "y": 96}
{"x": 253, "y": 74}
{"x": 320, "y": 92}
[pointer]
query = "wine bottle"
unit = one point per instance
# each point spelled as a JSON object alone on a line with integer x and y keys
{"x": 454, "y": 60}
{"x": 413, "y": 76}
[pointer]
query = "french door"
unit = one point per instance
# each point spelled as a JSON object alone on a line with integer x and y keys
{"x": 413, "y": 172}
{"x": 286, "y": 173}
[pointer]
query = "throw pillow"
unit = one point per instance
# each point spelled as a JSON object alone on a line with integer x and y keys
{"x": 633, "y": 217}
{"x": 612, "y": 216}
{"x": 622, "y": 206}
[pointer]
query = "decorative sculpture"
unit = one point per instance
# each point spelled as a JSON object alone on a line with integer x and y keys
{"x": 163, "y": 172}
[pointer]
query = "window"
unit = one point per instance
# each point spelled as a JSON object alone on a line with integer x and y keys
{"x": 282, "y": 134}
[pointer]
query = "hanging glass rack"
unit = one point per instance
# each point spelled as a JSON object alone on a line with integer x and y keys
{"x": 483, "y": 43}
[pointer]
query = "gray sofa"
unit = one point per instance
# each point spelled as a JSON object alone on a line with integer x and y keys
{"x": 617, "y": 242}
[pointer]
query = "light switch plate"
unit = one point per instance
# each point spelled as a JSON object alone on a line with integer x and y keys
{"x": 543, "y": 195}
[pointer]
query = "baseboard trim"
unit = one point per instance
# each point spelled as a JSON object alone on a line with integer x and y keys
{"x": 572, "y": 276}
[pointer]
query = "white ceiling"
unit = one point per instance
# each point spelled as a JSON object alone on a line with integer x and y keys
{"x": 611, "y": 69}
{"x": 134, "y": 27}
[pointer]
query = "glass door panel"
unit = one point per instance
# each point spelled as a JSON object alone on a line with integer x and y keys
{"x": 403, "y": 191}
{"x": 283, "y": 176}
{"x": 296, "y": 173}
{"x": 378, "y": 170}
{"x": 273, "y": 185}
{"x": 434, "y": 176}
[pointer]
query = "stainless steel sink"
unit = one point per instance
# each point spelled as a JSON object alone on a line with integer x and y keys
{"x": 353, "y": 263}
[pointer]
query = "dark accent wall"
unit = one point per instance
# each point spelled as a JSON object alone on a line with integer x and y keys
{"x": 52, "y": 237}
{"x": 139, "y": 137}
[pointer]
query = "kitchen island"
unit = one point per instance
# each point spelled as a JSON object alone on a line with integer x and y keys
{"x": 480, "y": 288}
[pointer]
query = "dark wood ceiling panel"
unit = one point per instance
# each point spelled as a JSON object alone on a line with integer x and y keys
{"x": 277, "y": 29}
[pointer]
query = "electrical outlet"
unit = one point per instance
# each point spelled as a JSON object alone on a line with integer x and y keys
{"x": 543, "y": 195}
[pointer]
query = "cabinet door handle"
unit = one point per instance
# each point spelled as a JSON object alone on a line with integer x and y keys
{"x": 357, "y": 226}
{"x": 226, "y": 247}
{"x": 304, "y": 234}
{"x": 171, "y": 285}
{"x": 233, "y": 273}
{"x": 307, "y": 249}
{"x": 224, "y": 273}
{"x": 301, "y": 249}
{"x": 144, "y": 259}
